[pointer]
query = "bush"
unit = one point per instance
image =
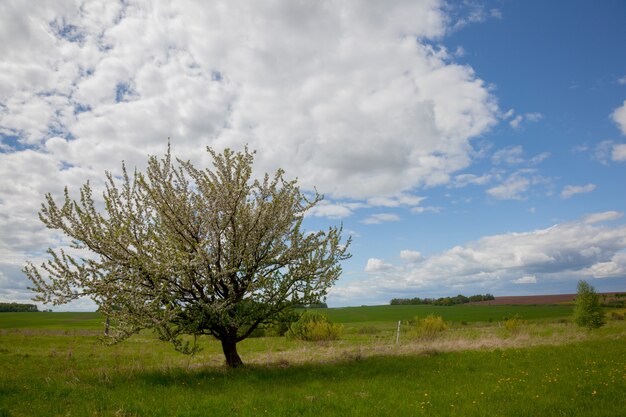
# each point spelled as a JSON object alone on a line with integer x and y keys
{"x": 429, "y": 327}
{"x": 314, "y": 327}
{"x": 513, "y": 323}
{"x": 588, "y": 311}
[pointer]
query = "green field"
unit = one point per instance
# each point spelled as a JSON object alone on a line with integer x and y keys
{"x": 52, "y": 364}
{"x": 467, "y": 313}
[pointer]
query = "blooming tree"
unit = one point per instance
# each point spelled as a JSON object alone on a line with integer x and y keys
{"x": 190, "y": 252}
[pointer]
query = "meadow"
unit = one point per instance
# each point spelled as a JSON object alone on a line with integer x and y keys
{"x": 52, "y": 364}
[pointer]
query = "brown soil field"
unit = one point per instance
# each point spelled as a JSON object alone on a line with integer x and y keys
{"x": 536, "y": 299}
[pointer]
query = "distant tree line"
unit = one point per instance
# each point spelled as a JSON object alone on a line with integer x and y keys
{"x": 18, "y": 308}
{"x": 443, "y": 301}
{"x": 311, "y": 305}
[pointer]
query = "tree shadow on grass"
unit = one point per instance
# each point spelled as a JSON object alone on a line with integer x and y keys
{"x": 282, "y": 373}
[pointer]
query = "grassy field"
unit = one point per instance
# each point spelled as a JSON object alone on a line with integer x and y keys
{"x": 52, "y": 364}
{"x": 467, "y": 313}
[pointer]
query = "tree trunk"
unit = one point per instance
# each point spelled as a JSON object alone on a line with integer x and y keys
{"x": 230, "y": 352}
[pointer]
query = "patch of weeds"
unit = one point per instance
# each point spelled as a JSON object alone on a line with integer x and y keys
{"x": 428, "y": 328}
{"x": 513, "y": 323}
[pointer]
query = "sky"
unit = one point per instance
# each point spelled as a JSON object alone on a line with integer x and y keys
{"x": 467, "y": 147}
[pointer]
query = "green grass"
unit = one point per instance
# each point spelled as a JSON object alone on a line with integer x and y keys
{"x": 51, "y": 364}
{"x": 65, "y": 321}
{"x": 377, "y": 314}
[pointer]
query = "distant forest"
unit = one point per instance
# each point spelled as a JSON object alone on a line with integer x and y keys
{"x": 18, "y": 308}
{"x": 443, "y": 301}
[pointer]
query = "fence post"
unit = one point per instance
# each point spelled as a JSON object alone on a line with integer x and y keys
{"x": 398, "y": 332}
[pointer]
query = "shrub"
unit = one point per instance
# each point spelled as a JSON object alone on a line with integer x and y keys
{"x": 513, "y": 323}
{"x": 588, "y": 311}
{"x": 314, "y": 327}
{"x": 429, "y": 327}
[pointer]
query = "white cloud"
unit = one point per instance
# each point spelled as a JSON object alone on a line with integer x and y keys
{"x": 602, "y": 217}
{"x": 622, "y": 80}
{"x": 514, "y": 155}
{"x": 513, "y": 188}
{"x": 381, "y": 218}
{"x": 526, "y": 279}
{"x": 516, "y": 122}
{"x": 411, "y": 255}
{"x": 83, "y": 87}
{"x": 619, "y": 152}
{"x": 510, "y": 156}
{"x": 566, "y": 251}
{"x": 225, "y": 76}
{"x": 602, "y": 152}
{"x": 571, "y": 190}
{"x": 396, "y": 201}
{"x": 376, "y": 265}
{"x": 471, "y": 13}
{"x": 619, "y": 117}
{"x": 464, "y": 180}
{"x": 331, "y": 210}
{"x": 607, "y": 151}
{"x": 616, "y": 267}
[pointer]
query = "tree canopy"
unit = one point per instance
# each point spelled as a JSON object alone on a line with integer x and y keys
{"x": 190, "y": 251}
{"x": 587, "y": 309}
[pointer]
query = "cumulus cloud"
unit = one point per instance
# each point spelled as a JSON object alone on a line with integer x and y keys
{"x": 377, "y": 265}
{"x": 619, "y": 117}
{"x": 615, "y": 267}
{"x": 411, "y": 255}
{"x": 118, "y": 78}
{"x": 357, "y": 99}
{"x": 571, "y": 190}
{"x": 571, "y": 250}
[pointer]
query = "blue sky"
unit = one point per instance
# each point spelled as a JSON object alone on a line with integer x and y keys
{"x": 467, "y": 147}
